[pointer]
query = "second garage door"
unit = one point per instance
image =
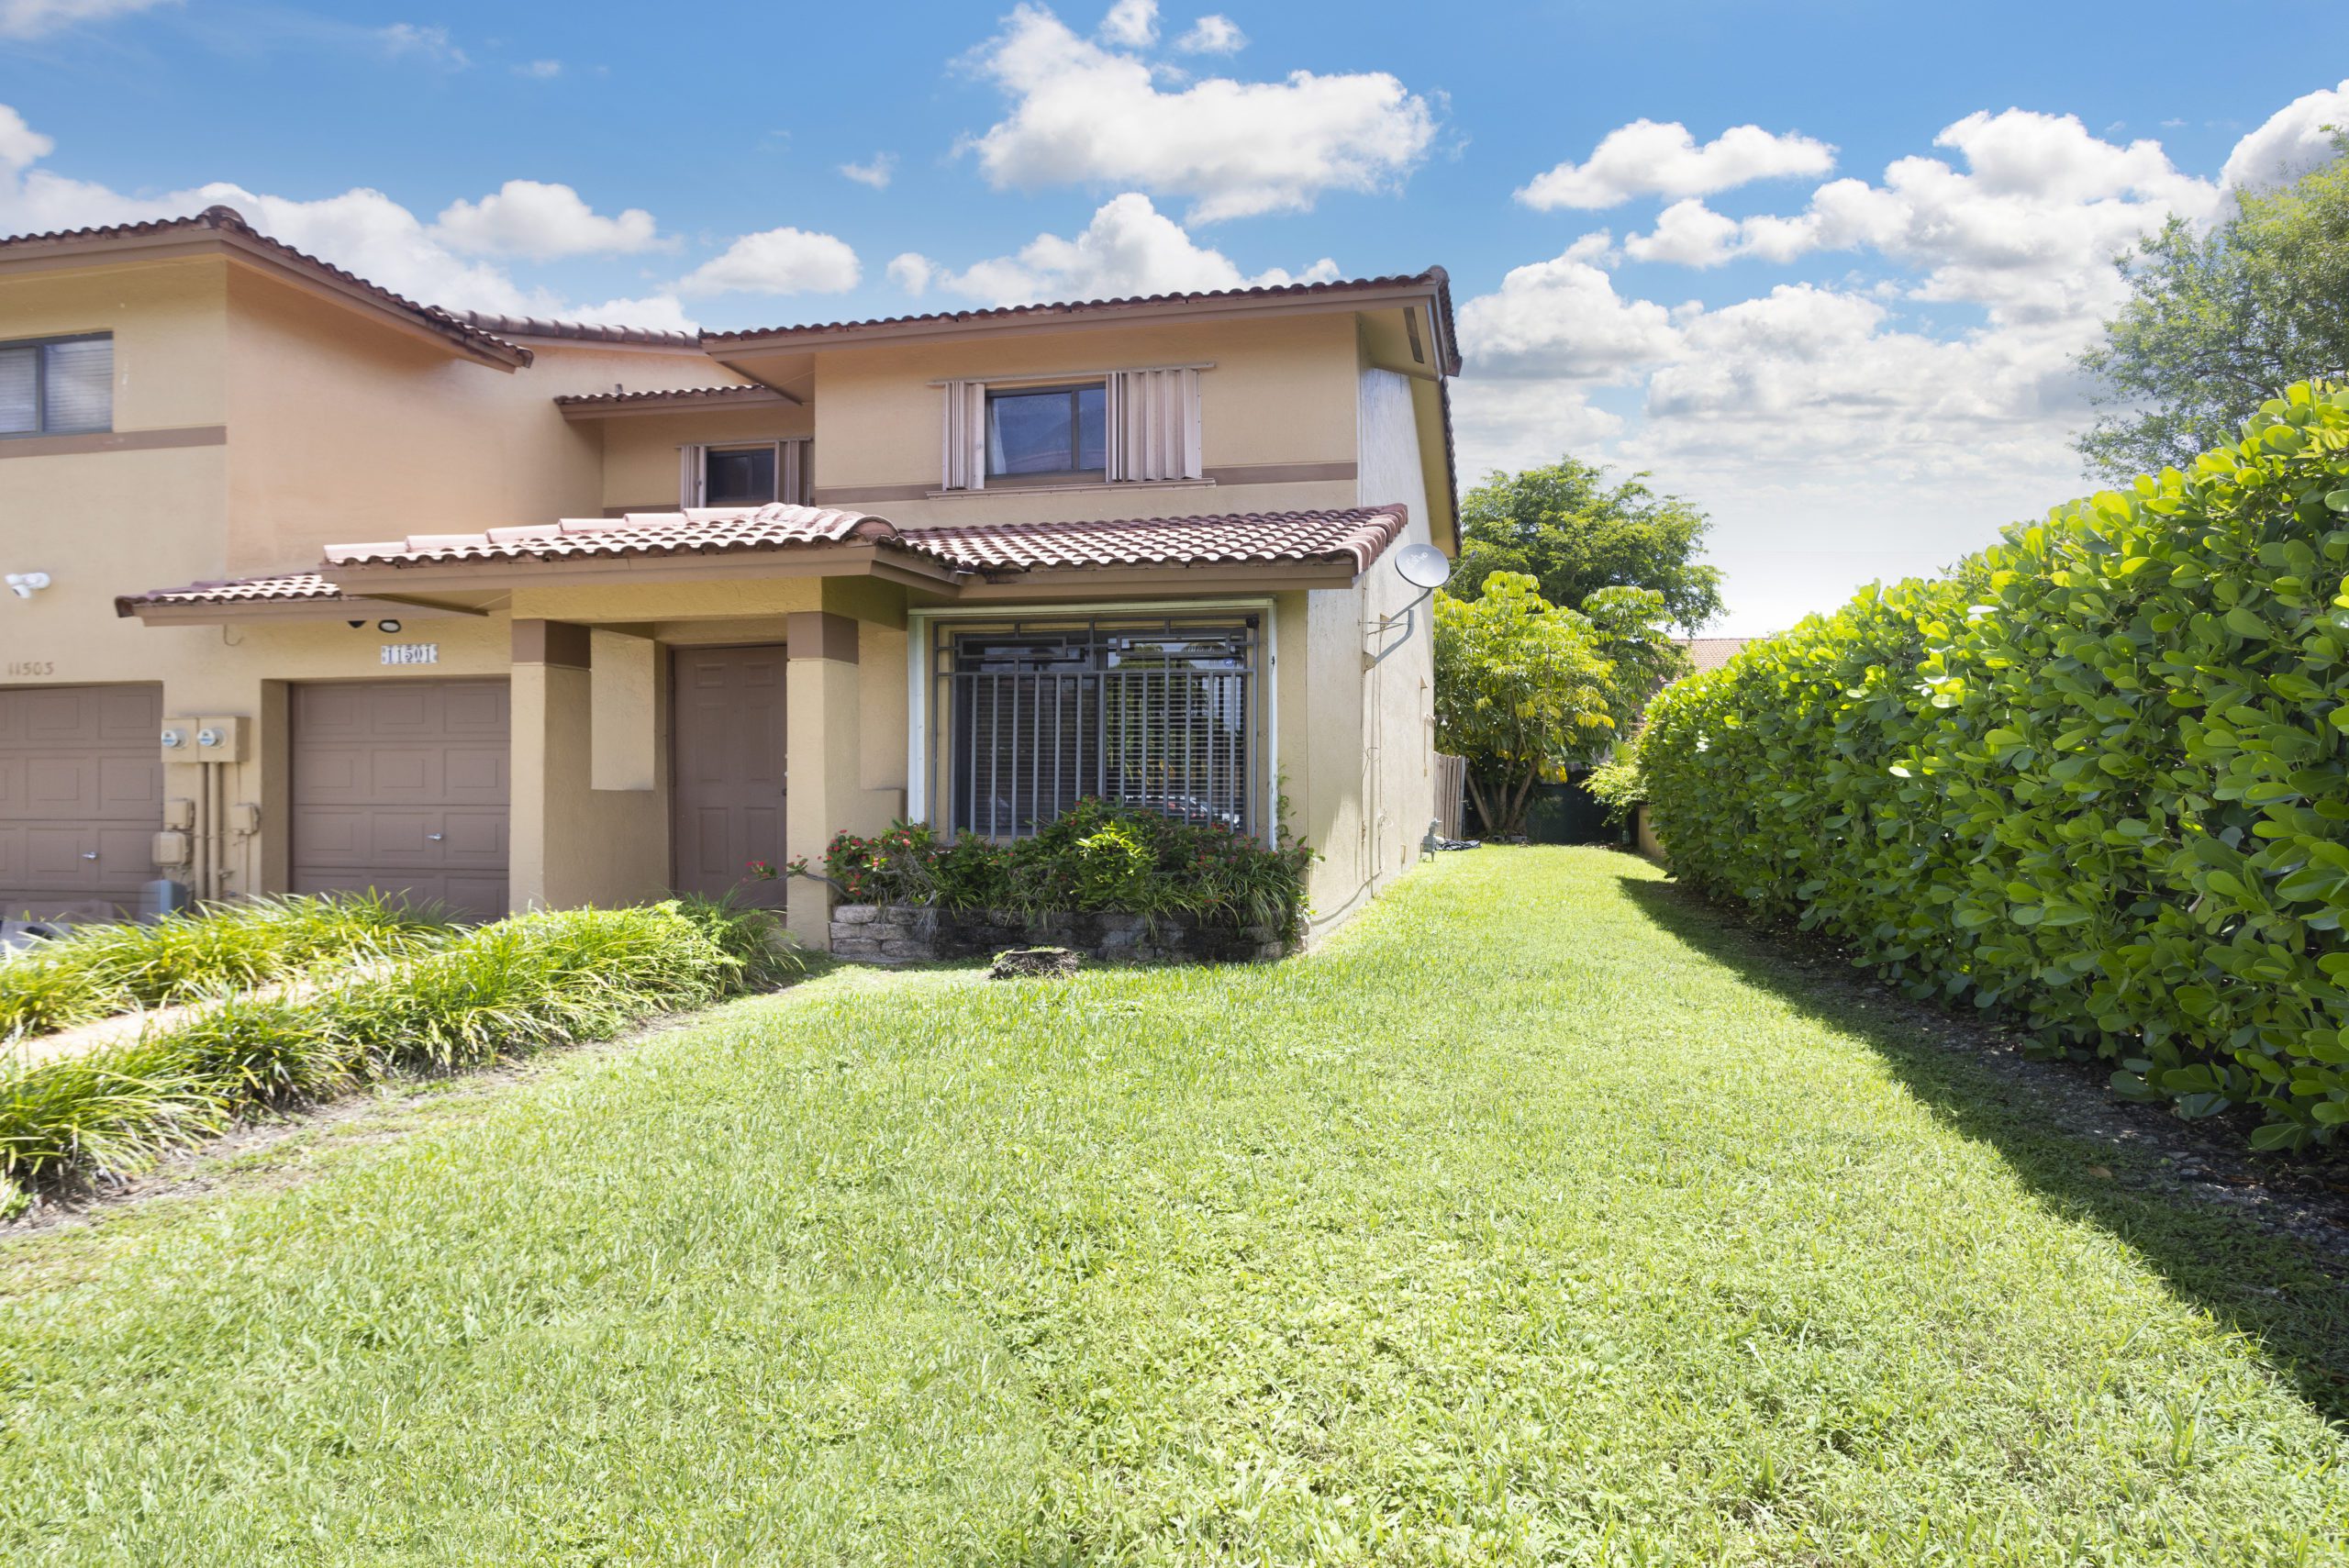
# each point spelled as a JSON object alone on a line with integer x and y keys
{"x": 402, "y": 786}
{"x": 81, "y": 797}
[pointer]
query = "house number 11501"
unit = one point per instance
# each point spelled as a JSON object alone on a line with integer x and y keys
{"x": 411, "y": 653}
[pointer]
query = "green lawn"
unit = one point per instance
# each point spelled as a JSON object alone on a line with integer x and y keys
{"x": 1537, "y": 1218}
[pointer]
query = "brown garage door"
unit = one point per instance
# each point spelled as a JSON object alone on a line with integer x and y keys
{"x": 81, "y": 797}
{"x": 401, "y": 786}
{"x": 725, "y": 796}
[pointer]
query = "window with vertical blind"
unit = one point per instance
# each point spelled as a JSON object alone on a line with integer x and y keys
{"x": 744, "y": 473}
{"x": 56, "y": 386}
{"x": 1113, "y": 427}
{"x": 1037, "y": 715}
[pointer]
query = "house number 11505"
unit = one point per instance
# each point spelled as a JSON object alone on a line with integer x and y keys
{"x": 32, "y": 666}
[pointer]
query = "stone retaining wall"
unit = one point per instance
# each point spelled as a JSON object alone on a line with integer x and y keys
{"x": 895, "y": 933}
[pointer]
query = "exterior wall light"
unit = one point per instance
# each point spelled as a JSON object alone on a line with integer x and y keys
{"x": 25, "y": 584}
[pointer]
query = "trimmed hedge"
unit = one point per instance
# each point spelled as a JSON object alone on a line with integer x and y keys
{"x": 504, "y": 990}
{"x": 2098, "y": 775}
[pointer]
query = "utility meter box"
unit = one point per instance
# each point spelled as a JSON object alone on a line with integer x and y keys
{"x": 179, "y": 812}
{"x": 179, "y": 739}
{"x": 170, "y": 849}
{"x": 220, "y": 738}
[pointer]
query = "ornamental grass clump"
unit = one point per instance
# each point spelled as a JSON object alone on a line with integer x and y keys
{"x": 502, "y": 991}
{"x": 2098, "y": 777}
{"x": 96, "y": 970}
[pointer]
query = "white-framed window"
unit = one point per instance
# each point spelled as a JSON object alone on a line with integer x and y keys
{"x": 1034, "y": 714}
{"x": 744, "y": 473}
{"x": 56, "y": 386}
{"x": 1108, "y": 428}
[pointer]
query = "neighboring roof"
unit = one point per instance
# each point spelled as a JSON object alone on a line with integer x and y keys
{"x": 578, "y": 331}
{"x": 1352, "y": 537}
{"x": 1713, "y": 652}
{"x": 228, "y": 224}
{"x": 1435, "y": 278}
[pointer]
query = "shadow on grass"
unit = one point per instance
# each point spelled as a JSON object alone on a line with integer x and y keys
{"x": 2273, "y": 1288}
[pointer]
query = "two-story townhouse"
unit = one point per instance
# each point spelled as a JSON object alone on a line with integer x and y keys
{"x": 506, "y": 612}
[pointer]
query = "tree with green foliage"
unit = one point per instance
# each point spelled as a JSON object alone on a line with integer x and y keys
{"x": 1521, "y": 692}
{"x": 1576, "y": 535}
{"x": 2219, "y": 322}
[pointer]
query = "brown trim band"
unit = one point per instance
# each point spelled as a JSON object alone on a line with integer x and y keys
{"x": 1239, "y": 474}
{"x": 114, "y": 441}
{"x": 1286, "y": 473}
{"x": 551, "y": 642}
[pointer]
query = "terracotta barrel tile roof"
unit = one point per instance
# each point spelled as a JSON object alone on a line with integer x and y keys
{"x": 577, "y": 331}
{"x": 747, "y": 393}
{"x": 1357, "y": 534}
{"x": 705, "y": 530}
{"x": 291, "y": 588}
{"x": 228, "y": 221}
{"x": 1353, "y": 537}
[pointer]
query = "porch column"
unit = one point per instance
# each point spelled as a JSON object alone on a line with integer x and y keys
{"x": 824, "y": 728}
{"x": 570, "y": 843}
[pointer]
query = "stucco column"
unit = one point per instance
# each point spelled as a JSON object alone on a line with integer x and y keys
{"x": 824, "y": 731}
{"x": 551, "y": 703}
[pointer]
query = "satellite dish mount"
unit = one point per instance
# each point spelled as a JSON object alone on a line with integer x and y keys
{"x": 1424, "y": 567}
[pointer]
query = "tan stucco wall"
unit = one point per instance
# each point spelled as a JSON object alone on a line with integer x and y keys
{"x": 343, "y": 431}
{"x": 1281, "y": 392}
{"x": 640, "y": 450}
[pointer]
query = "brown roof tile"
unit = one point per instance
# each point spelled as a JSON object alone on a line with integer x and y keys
{"x": 1354, "y": 537}
{"x": 294, "y": 587}
{"x": 228, "y": 221}
{"x": 1435, "y": 276}
{"x": 709, "y": 531}
{"x": 1713, "y": 652}
{"x": 746, "y": 392}
{"x": 578, "y": 331}
{"x": 1358, "y": 535}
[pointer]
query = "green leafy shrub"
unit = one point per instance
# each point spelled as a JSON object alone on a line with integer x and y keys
{"x": 504, "y": 990}
{"x": 1096, "y": 856}
{"x": 2097, "y": 776}
{"x": 96, "y": 970}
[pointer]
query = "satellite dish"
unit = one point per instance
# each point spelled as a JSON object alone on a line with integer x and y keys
{"x": 1423, "y": 566}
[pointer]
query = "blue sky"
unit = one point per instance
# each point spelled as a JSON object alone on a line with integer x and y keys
{"x": 1845, "y": 329}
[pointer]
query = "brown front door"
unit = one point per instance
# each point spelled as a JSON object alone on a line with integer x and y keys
{"x": 726, "y": 795}
{"x": 402, "y": 786}
{"x": 81, "y": 797}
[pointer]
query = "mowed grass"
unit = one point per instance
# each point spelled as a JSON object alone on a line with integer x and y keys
{"x": 1537, "y": 1218}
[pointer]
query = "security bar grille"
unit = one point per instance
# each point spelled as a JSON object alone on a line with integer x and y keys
{"x": 1042, "y": 715}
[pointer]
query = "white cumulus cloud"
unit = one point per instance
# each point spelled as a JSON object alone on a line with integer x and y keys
{"x": 431, "y": 45}
{"x": 1646, "y": 158}
{"x": 1129, "y": 247}
{"x": 777, "y": 261}
{"x": 875, "y": 172}
{"x": 1085, "y": 115}
{"x": 31, "y": 19}
{"x": 529, "y": 217}
{"x": 1131, "y": 23}
{"x": 539, "y": 70}
{"x": 2295, "y": 139}
{"x": 911, "y": 270}
{"x": 1213, "y": 35}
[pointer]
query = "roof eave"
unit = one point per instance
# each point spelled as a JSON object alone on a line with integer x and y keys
{"x": 1083, "y": 315}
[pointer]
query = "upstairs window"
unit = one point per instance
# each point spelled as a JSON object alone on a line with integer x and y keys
{"x": 1119, "y": 427}
{"x": 61, "y": 386}
{"x": 1052, "y": 432}
{"x": 738, "y": 476}
{"x": 744, "y": 474}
